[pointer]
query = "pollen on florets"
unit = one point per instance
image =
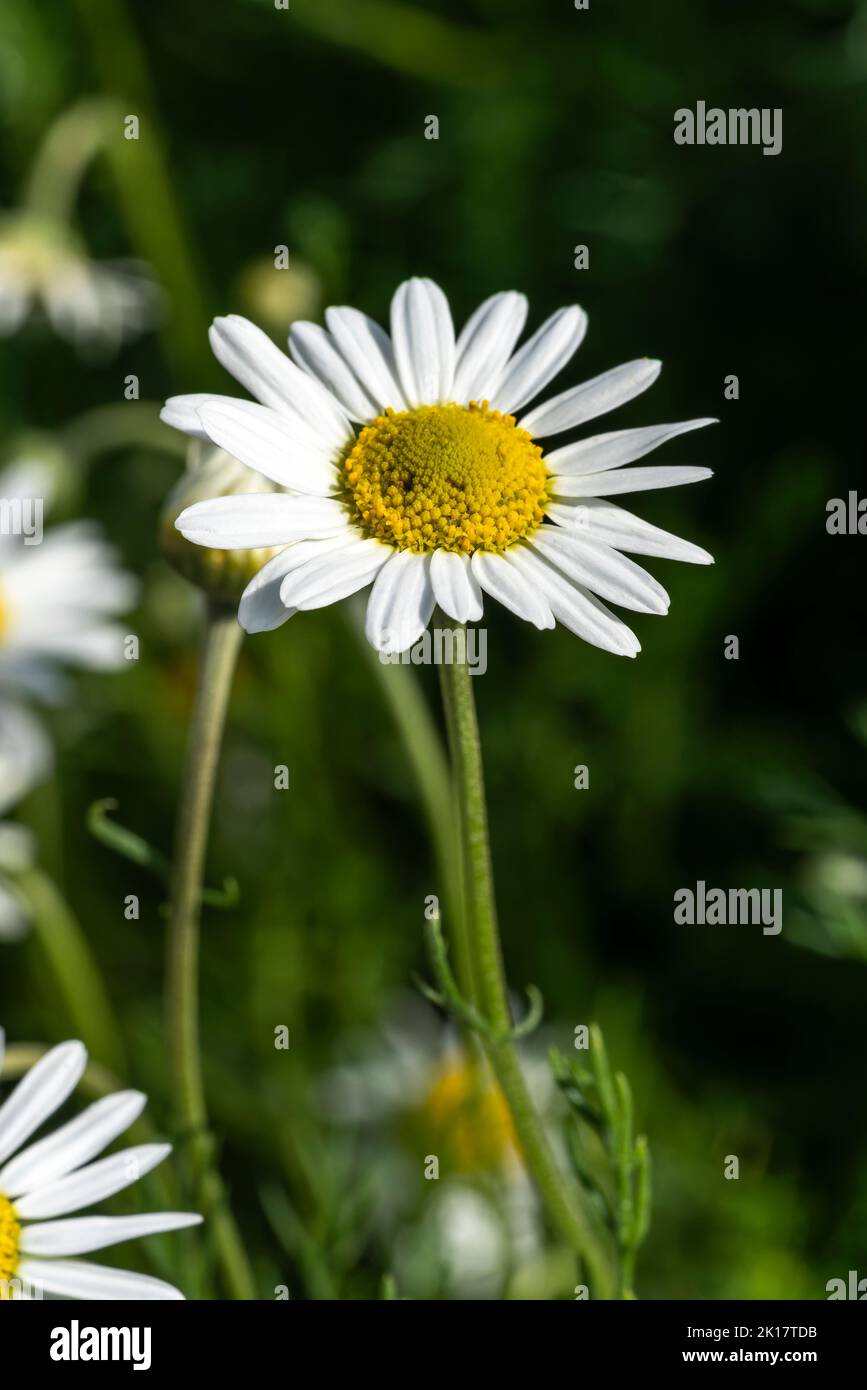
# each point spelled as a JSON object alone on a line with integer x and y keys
{"x": 9, "y": 1238}
{"x": 445, "y": 477}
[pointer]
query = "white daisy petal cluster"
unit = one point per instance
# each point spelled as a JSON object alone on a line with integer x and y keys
{"x": 60, "y": 591}
{"x": 58, "y": 597}
{"x": 45, "y": 268}
{"x": 408, "y": 461}
{"x": 25, "y": 759}
{"x": 43, "y": 1182}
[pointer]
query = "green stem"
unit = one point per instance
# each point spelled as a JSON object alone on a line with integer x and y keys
{"x": 75, "y": 971}
{"x": 424, "y": 750}
{"x": 123, "y": 426}
{"x": 568, "y": 1211}
{"x": 222, "y": 642}
{"x": 62, "y": 160}
{"x": 154, "y": 219}
{"x": 626, "y": 1280}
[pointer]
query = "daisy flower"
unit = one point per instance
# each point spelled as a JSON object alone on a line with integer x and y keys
{"x": 55, "y": 1176}
{"x": 419, "y": 1070}
{"x": 413, "y": 462}
{"x": 417, "y": 1080}
{"x": 25, "y": 758}
{"x": 44, "y": 267}
{"x": 57, "y": 598}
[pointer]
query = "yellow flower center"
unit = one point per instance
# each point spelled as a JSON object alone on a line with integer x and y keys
{"x": 445, "y": 477}
{"x": 4, "y": 615}
{"x": 466, "y": 1107}
{"x": 9, "y": 1232}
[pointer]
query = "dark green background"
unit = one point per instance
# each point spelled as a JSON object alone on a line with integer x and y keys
{"x": 306, "y": 127}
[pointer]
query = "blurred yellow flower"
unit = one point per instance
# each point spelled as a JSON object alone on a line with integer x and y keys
{"x": 465, "y": 1109}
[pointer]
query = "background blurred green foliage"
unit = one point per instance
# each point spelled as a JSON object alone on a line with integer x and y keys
{"x": 306, "y": 127}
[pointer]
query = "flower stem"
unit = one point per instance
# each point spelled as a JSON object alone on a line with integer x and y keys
{"x": 76, "y": 137}
{"x": 567, "y": 1210}
{"x": 222, "y": 642}
{"x": 154, "y": 218}
{"x": 424, "y": 750}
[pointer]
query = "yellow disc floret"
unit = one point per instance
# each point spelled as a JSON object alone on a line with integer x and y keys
{"x": 445, "y": 477}
{"x": 9, "y": 1233}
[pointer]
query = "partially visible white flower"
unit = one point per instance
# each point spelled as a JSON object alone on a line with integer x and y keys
{"x": 482, "y": 1218}
{"x": 44, "y": 267}
{"x": 416, "y": 1066}
{"x": 388, "y": 1071}
{"x": 472, "y": 1242}
{"x": 57, "y": 602}
{"x": 445, "y": 493}
{"x": 25, "y": 759}
{"x": 480, "y": 1238}
{"x": 59, "y": 592}
{"x": 55, "y": 1176}
{"x": 25, "y": 754}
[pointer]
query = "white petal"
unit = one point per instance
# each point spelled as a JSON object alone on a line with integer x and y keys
{"x": 629, "y": 480}
{"x": 540, "y": 359}
{"x": 71, "y": 1145}
{"x": 455, "y": 587}
{"x": 592, "y": 398}
{"x": 72, "y": 569}
{"x": 401, "y": 603}
{"x": 99, "y": 647}
{"x": 255, "y": 520}
{"x": 499, "y": 578}
{"x": 79, "y": 1279}
{"x": 485, "y": 344}
{"x": 182, "y": 412}
{"x": 423, "y": 337}
{"x": 266, "y": 372}
{"x": 607, "y": 451}
{"x": 316, "y": 352}
{"x": 39, "y": 1093}
{"x": 25, "y": 749}
{"x": 265, "y": 441}
{"x": 262, "y": 609}
{"x": 602, "y": 570}
{"x": 574, "y": 607}
{"x": 91, "y": 1184}
{"x": 368, "y": 352}
{"x": 327, "y": 578}
{"x": 82, "y": 1234}
{"x": 607, "y": 522}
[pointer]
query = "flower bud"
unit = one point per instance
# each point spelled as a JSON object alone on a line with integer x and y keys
{"x": 211, "y": 472}
{"x": 278, "y": 297}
